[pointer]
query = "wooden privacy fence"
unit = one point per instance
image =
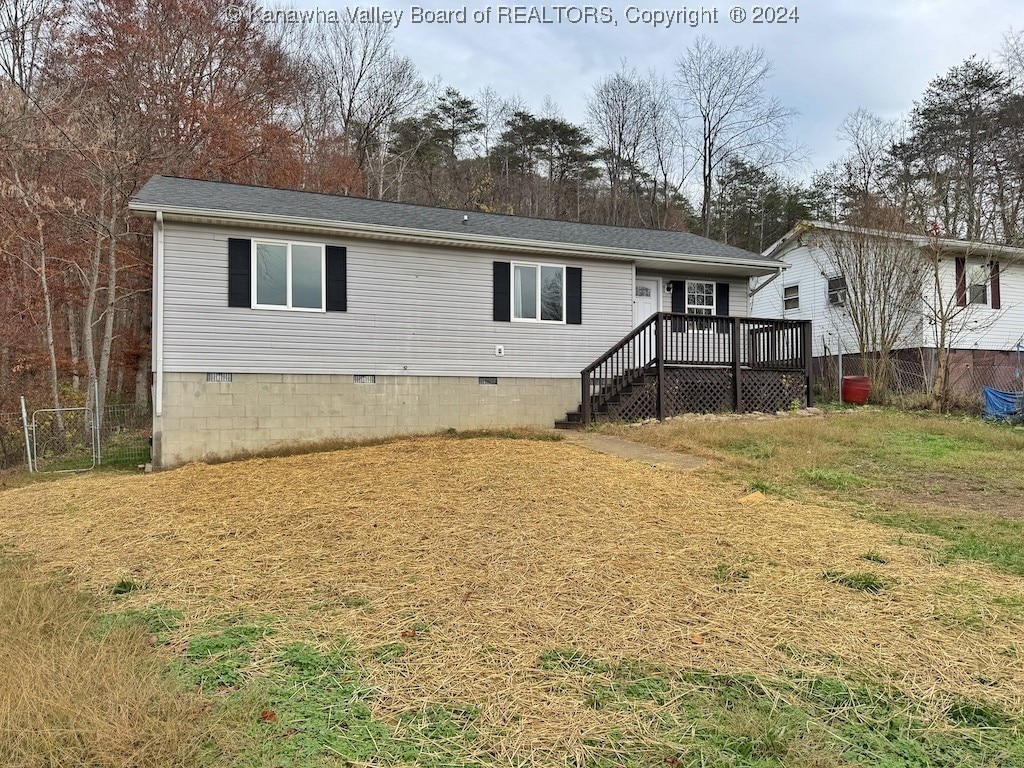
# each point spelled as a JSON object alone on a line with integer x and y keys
{"x": 676, "y": 363}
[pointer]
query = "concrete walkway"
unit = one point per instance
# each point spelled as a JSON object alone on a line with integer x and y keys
{"x": 627, "y": 449}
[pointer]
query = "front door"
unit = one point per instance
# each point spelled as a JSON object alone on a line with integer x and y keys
{"x": 646, "y": 301}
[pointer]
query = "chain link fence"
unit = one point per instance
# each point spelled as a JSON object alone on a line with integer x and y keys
{"x": 906, "y": 379}
{"x": 124, "y": 431}
{"x": 12, "y": 441}
{"x": 75, "y": 440}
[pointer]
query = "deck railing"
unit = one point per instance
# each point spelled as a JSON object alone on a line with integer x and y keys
{"x": 673, "y": 339}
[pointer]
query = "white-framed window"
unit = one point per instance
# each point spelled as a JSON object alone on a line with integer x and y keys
{"x": 538, "y": 293}
{"x": 978, "y": 278}
{"x": 791, "y": 297}
{"x": 837, "y": 291}
{"x": 288, "y": 275}
{"x": 700, "y": 297}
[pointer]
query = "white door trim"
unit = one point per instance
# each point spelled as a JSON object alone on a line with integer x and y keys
{"x": 656, "y": 284}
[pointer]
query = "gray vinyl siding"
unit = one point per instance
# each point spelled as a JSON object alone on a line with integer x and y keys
{"x": 412, "y": 310}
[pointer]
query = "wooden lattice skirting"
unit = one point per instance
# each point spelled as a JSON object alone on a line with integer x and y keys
{"x": 710, "y": 390}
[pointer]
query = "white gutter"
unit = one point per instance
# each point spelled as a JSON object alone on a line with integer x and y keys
{"x": 158, "y": 315}
{"x": 408, "y": 234}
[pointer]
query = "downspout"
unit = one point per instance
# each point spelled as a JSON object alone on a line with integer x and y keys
{"x": 757, "y": 289}
{"x": 158, "y": 316}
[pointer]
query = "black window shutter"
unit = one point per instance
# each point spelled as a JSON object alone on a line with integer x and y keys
{"x": 239, "y": 272}
{"x": 996, "y": 300}
{"x": 678, "y": 295}
{"x": 502, "y": 291}
{"x": 722, "y": 299}
{"x": 961, "y": 282}
{"x": 337, "y": 279}
{"x": 722, "y": 306}
{"x": 678, "y": 303}
{"x": 574, "y": 295}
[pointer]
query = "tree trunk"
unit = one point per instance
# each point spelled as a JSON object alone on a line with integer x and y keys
{"x": 940, "y": 385}
{"x": 707, "y": 178}
{"x": 107, "y": 342}
{"x": 50, "y": 346}
{"x": 142, "y": 383}
{"x": 76, "y": 349}
{"x": 89, "y": 313}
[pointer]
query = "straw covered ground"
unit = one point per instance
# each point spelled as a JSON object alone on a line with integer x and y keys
{"x": 478, "y": 561}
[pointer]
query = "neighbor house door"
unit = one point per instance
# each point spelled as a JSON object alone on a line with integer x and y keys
{"x": 646, "y": 301}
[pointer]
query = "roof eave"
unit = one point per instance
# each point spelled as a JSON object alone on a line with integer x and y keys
{"x": 965, "y": 247}
{"x": 752, "y": 267}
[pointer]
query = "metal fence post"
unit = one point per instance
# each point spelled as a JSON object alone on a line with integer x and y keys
{"x": 96, "y": 422}
{"x": 28, "y": 443}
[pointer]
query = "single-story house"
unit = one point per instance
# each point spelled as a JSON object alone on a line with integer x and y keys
{"x": 284, "y": 316}
{"x": 979, "y": 285}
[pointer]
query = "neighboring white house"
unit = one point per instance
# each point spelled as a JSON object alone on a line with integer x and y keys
{"x": 283, "y": 316}
{"x": 986, "y": 278}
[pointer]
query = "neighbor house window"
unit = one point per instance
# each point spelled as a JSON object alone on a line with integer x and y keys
{"x": 288, "y": 275}
{"x": 837, "y": 291}
{"x": 791, "y": 297}
{"x": 538, "y": 293}
{"x": 978, "y": 276}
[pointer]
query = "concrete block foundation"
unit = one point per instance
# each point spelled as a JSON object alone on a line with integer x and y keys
{"x": 259, "y": 411}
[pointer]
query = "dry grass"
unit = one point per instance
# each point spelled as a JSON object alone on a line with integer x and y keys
{"x": 480, "y": 555}
{"x": 74, "y": 694}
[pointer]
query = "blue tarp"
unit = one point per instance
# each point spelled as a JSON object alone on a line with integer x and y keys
{"x": 1006, "y": 406}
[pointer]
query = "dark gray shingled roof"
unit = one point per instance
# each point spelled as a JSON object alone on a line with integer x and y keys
{"x": 168, "y": 191}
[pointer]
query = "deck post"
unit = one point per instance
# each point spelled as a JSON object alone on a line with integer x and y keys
{"x": 808, "y": 350}
{"x": 659, "y": 341}
{"x": 737, "y": 387}
{"x": 585, "y": 398}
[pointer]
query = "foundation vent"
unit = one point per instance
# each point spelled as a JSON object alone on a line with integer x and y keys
{"x": 218, "y": 377}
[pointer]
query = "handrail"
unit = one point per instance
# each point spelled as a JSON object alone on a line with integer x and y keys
{"x": 742, "y": 344}
{"x": 622, "y": 344}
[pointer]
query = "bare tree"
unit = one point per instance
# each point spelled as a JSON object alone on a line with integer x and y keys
{"x": 620, "y": 119}
{"x": 953, "y": 292}
{"x": 869, "y": 139}
{"x": 27, "y": 28}
{"x": 358, "y": 87}
{"x": 668, "y": 161}
{"x": 880, "y": 269}
{"x": 723, "y": 100}
{"x": 1012, "y": 55}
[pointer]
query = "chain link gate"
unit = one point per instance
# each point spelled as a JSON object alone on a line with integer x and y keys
{"x": 63, "y": 440}
{"x": 78, "y": 439}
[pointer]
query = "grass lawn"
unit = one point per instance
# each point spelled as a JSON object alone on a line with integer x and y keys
{"x": 498, "y": 602}
{"x": 960, "y": 479}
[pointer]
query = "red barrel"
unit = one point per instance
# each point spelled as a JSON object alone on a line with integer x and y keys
{"x": 856, "y": 389}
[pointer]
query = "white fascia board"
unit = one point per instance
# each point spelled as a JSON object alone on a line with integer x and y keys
{"x": 452, "y": 239}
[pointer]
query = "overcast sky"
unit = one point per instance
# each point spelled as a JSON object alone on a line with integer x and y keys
{"x": 839, "y": 55}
